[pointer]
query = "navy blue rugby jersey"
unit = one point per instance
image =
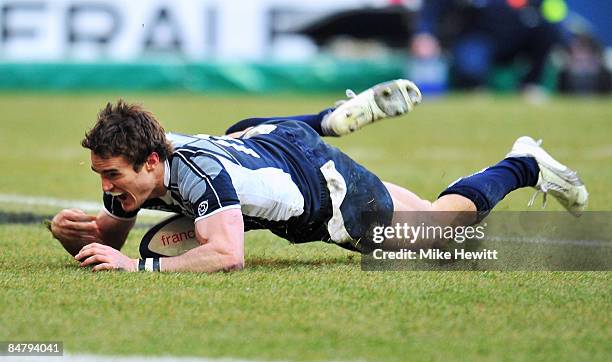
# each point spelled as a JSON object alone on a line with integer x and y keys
{"x": 270, "y": 178}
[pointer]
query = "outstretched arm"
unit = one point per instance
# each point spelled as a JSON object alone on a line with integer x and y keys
{"x": 74, "y": 229}
{"x": 222, "y": 249}
{"x": 222, "y": 245}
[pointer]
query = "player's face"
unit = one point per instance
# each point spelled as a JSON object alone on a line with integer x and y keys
{"x": 131, "y": 188}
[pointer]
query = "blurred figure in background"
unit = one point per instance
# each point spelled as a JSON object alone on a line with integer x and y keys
{"x": 583, "y": 70}
{"x": 483, "y": 33}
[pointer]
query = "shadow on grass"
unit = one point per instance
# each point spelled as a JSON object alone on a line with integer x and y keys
{"x": 251, "y": 263}
{"x": 7, "y": 217}
{"x": 29, "y": 218}
{"x": 277, "y": 263}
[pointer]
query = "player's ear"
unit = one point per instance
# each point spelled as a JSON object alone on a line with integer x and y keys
{"x": 152, "y": 161}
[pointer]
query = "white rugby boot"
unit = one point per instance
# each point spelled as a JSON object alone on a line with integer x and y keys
{"x": 384, "y": 100}
{"x": 554, "y": 178}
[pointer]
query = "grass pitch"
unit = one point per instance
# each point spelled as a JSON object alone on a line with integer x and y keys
{"x": 305, "y": 302}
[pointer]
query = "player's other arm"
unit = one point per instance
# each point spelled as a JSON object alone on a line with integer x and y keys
{"x": 75, "y": 229}
{"x": 113, "y": 230}
{"x": 222, "y": 245}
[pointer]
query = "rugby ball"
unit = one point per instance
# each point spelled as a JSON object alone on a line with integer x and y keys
{"x": 171, "y": 237}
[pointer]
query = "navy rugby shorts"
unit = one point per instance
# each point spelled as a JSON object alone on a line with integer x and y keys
{"x": 359, "y": 199}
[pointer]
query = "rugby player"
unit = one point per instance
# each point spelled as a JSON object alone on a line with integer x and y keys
{"x": 272, "y": 173}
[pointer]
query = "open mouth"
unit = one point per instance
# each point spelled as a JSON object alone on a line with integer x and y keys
{"x": 122, "y": 196}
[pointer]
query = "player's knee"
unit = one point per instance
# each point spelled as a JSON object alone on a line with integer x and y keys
{"x": 235, "y": 263}
{"x": 405, "y": 200}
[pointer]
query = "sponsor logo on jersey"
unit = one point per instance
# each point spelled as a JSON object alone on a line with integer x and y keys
{"x": 202, "y": 208}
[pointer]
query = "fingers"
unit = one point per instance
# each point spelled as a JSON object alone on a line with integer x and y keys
{"x": 91, "y": 249}
{"x": 74, "y": 215}
{"x": 103, "y": 266}
{"x": 88, "y": 226}
{"x": 76, "y": 225}
{"x": 68, "y": 234}
{"x": 95, "y": 259}
{"x": 79, "y": 215}
{"x": 104, "y": 257}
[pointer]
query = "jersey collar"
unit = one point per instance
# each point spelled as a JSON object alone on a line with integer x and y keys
{"x": 167, "y": 174}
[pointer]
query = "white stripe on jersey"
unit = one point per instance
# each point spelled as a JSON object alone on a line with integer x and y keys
{"x": 267, "y": 193}
{"x": 216, "y": 212}
{"x": 210, "y": 153}
{"x": 194, "y": 168}
{"x": 179, "y": 141}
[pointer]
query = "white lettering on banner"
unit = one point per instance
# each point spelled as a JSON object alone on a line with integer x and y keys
{"x": 128, "y": 30}
{"x": 103, "y": 29}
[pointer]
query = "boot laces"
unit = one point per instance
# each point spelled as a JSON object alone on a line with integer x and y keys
{"x": 544, "y": 188}
{"x": 535, "y": 195}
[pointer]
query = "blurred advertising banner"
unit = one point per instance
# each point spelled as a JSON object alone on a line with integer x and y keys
{"x": 126, "y": 30}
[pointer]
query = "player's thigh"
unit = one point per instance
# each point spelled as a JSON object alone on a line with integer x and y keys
{"x": 360, "y": 200}
{"x": 406, "y": 200}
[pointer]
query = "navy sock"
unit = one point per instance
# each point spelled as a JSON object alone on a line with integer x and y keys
{"x": 488, "y": 187}
{"x": 313, "y": 120}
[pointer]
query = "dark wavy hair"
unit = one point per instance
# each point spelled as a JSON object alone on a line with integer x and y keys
{"x": 127, "y": 130}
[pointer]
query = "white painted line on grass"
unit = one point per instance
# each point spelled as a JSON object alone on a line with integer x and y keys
{"x": 95, "y": 206}
{"x": 64, "y": 204}
{"x": 517, "y": 239}
{"x": 102, "y": 358}
{"x": 49, "y": 201}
